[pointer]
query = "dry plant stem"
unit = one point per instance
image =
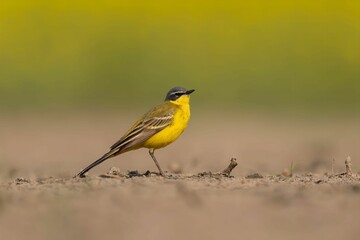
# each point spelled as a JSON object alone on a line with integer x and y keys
{"x": 348, "y": 171}
{"x": 231, "y": 166}
{"x": 348, "y": 166}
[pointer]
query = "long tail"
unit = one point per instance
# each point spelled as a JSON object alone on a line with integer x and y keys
{"x": 97, "y": 162}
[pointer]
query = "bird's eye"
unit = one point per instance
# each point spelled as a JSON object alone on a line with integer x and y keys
{"x": 175, "y": 95}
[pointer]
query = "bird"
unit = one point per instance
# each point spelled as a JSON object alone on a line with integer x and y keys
{"x": 156, "y": 129}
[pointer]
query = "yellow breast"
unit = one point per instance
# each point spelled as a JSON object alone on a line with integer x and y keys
{"x": 175, "y": 129}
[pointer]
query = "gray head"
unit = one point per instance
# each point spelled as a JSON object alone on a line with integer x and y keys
{"x": 177, "y": 92}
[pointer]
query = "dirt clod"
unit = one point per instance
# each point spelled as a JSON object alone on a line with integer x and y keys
{"x": 254, "y": 176}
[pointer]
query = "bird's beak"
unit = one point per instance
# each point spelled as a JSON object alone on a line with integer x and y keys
{"x": 188, "y": 92}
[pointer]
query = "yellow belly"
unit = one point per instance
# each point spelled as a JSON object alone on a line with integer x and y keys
{"x": 172, "y": 132}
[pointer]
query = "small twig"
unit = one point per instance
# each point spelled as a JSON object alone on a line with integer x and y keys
{"x": 332, "y": 166}
{"x": 348, "y": 171}
{"x": 225, "y": 173}
{"x": 229, "y": 168}
{"x": 348, "y": 166}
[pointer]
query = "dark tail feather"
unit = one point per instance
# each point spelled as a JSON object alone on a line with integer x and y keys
{"x": 97, "y": 162}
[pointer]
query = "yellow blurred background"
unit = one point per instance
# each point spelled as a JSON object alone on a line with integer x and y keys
{"x": 287, "y": 55}
{"x": 277, "y": 86}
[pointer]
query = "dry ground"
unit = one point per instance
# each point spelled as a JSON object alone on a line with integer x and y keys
{"x": 39, "y": 199}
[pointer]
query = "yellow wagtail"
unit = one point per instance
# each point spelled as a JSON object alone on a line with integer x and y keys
{"x": 156, "y": 129}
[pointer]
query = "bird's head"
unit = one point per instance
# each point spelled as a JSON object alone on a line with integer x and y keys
{"x": 178, "y": 94}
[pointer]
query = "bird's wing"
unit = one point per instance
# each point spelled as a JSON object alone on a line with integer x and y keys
{"x": 151, "y": 123}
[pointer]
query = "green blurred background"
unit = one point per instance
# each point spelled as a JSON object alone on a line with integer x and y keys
{"x": 287, "y": 55}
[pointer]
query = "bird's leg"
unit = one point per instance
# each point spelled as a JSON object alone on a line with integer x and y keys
{"x": 151, "y": 152}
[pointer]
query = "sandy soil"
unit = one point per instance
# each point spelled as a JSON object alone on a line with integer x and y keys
{"x": 39, "y": 199}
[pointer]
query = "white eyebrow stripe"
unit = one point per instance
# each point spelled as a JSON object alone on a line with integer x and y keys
{"x": 176, "y": 92}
